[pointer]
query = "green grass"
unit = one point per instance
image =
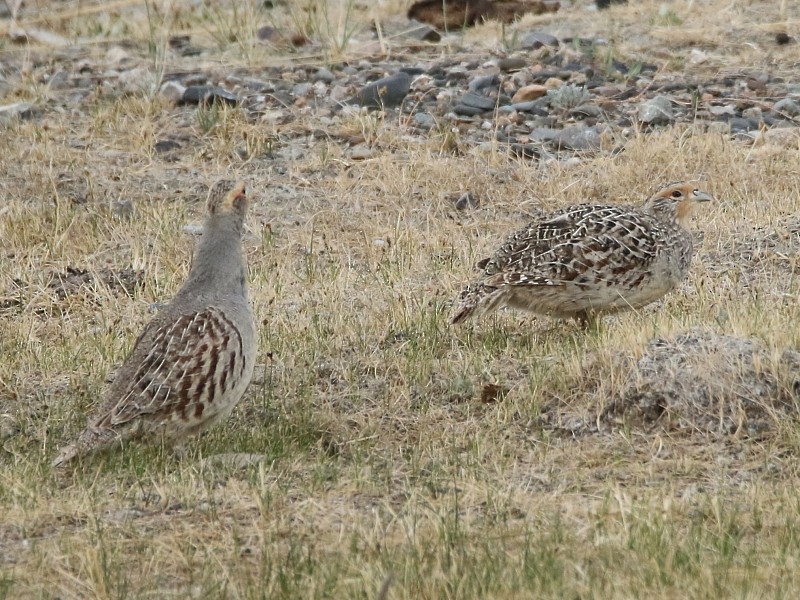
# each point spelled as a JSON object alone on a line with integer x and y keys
{"x": 369, "y": 458}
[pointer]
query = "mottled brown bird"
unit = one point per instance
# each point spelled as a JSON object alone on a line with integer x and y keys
{"x": 588, "y": 259}
{"x": 192, "y": 363}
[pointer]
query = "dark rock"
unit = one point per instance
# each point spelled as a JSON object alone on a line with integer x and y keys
{"x": 782, "y": 38}
{"x": 208, "y": 94}
{"x": 788, "y": 107}
{"x": 603, "y": 4}
{"x": 465, "y": 201}
{"x": 163, "y": 146}
{"x": 324, "y": 75}
{"x": 478, "y": 101}
{"x": 739, "y": 124}
{"x": 512, "y": 63}
{"x": 483, "y": 81}
{"x": 467, "y": 111}
{"x": 384, "y": 93}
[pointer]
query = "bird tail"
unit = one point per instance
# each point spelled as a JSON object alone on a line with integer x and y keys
{"x": 472, "y": 302}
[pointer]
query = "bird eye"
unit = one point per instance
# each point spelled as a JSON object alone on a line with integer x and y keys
{"x": 676, "y": 194}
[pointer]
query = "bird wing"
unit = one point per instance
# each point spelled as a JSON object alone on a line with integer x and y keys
{"x": 194, "y": 357}
{"x": 583, "y": 244}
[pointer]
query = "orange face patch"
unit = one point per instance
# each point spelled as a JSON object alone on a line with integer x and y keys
{"x": 684, "y": 210}
{"x": 236, "y": 200}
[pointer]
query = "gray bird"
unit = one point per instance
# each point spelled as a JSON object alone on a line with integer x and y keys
{"x": 588, "y": 259}
{"x": 193, "y": 362}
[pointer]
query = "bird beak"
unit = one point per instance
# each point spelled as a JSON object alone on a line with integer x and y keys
{"x": 699, "y": 196}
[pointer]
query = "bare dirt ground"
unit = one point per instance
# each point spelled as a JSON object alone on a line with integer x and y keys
{"x": 381, "y": 452}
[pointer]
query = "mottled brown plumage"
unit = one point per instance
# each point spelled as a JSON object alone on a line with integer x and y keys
{"x": 588, "y": 259}
{"x": 192, "y": 363}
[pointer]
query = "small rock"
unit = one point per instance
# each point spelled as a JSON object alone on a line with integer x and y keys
{"x": 301, "y": 90}
{"x": 577, "y": 137}
{"x": 338, "y": 93}
{"x": 512, "y": 63}
{"x": 424, "y": 120}
{"x": 384, "y": 93}
{"x": 752, "y": 113}
{"x": 537, "y": 39}
{"x": 208, "y": 94}
{"x": 586, "y": 110}
{"x": 757, "y": 81}
{"x": 465, "y": 201}
{"x": 116, "y": 55}
{"x": 482, "y": 82}
{"x": 163, "y": 146}
{"x": 324, "y": 75}
{"x": 361, "y": 152}
{"x": 18, "y": 110}
{"x": 782, "y": 38}
{"x": 529, "y": 92}
{"x": 788, "y": 107}
{"x": 172, "y": 91}
{"x": 697, "y": 57}
{"x": 738, "y": 125}
{"x": 137, "y": 81}
{"x": 477, "y": 101}
{"x": 725, "y": 109}
{"x": 657, "y": 111}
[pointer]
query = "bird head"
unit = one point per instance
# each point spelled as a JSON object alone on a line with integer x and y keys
{"x": 227, "y": 197}
{"x": 675, "y": 201}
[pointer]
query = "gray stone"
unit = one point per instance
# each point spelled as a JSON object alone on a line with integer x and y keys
{"x": 537, "y": 39}
{"x": 324, "y": 75}
{"x": 424, "y": 120}
{"x": 139, "y": 80}
{"x": 657, "y": 111}
{"x": 586, "y": 110}
{"x": 361, "y": 152}
{"x": 301, "y": 90}
{"x": 788, "y": 106}
{"x": 577, "y": 137}
{"x": 477, "y": 101}
{"x": 483, "y": 81}
{"x": 172, "y": 91}
{"x": 384, "y": 93}
{"x": 465, "y": 201}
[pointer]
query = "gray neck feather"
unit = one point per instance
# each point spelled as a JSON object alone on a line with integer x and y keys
{"x": 218, "y": 265}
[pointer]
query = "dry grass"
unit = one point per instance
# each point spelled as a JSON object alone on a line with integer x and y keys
{"x": 375, "y": 464}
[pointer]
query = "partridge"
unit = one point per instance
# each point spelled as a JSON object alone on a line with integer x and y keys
{"x": 192, "y": 363}
{"x": 588, "y": 259}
